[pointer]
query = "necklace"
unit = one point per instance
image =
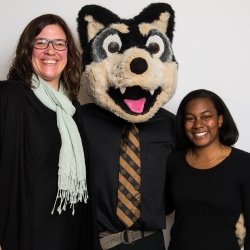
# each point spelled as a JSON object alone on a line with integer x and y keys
{"x": 196, "y": 164}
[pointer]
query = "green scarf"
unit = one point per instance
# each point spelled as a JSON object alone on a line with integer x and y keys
{"x": 72, "y": 187}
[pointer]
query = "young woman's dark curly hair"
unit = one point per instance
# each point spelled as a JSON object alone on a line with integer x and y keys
{"x": 228, "y": 132}
{"x": 22, "y": 63}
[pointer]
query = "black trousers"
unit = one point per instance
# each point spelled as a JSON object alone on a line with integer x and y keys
{"x": 152, "y": 242}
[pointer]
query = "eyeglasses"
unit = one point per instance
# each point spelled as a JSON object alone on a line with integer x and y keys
{"x": 43, "y": 43}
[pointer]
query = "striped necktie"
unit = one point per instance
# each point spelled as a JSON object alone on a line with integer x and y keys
{"x": 129, "y": 197}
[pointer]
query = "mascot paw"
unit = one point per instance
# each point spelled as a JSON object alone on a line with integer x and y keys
{"x": 240, "y": 230}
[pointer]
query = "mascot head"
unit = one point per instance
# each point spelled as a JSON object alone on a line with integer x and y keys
{"x": 129, "y": 64}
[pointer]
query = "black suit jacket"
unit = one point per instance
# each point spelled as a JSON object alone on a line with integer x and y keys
{"x": 101, "y": 135}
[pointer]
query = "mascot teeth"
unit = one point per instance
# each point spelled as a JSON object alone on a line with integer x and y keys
{"x": 122, "y": 90}
{"x": 151, "y": 92}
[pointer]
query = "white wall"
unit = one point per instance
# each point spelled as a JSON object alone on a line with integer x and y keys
{"x": 211, "y": 44}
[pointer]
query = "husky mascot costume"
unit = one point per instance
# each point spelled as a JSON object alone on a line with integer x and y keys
{"x": 130, "y": 72}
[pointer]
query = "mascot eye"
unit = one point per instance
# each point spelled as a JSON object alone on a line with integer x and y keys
{"x": 154, "y": 48}
{"x": 112, "y": 44}
{"x": 113, "y": 47}
{"x": 155, "y": 45}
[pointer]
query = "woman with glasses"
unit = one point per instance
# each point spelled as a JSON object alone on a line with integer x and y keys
{"x": 42, "y": 167}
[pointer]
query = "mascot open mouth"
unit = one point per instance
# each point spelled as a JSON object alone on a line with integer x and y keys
{"x": 134, "y": 100}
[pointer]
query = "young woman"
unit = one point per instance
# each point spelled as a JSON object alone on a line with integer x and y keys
{"x": 208, "y": 179}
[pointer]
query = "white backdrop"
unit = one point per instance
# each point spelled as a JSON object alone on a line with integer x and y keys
{"x": 211, "y": 44}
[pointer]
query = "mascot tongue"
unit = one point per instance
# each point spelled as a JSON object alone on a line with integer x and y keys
{"x": 135, "y": 106}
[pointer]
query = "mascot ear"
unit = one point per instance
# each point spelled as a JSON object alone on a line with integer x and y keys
{"x": 91, "y": 20}
{"x": 158, "y": 15}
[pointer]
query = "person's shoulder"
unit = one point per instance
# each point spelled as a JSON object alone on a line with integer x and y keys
{"x": 241, "y": 162}
{"x": 166, "y": 113}
{"x": 12, "y": 89}
{"x": 88, "y": 107}
{"x": 241, "y": 153}
{"x": 163, "y": 117}
{"x": 95, "y": 111}
{"x": 13, "y": 97}
{"x": 241, "y": 157}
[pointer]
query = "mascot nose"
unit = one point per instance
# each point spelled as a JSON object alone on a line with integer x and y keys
{"x": 138, "y": 65}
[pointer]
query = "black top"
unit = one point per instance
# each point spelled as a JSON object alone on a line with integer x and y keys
{"x": 29, "y": 151}
{"x": 208, "y": 202}
{"x": 103, "y": 135}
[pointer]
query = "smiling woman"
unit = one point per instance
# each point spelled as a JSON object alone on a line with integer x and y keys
{"x": 49, "y": 57}
{"x": 201, "y": 124}
{"x": 42, "y": 165}
{"x": 212, "y": 175}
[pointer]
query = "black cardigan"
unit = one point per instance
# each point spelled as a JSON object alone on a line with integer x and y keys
{"x": 29, "y": 150}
